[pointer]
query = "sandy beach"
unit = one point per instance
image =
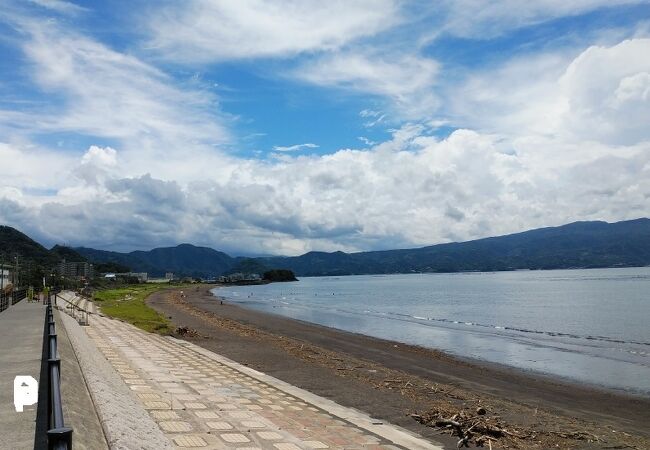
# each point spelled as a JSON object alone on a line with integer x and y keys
{"x": 411, "y": 386}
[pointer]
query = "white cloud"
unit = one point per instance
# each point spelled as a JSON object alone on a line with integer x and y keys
{"x": 27, "y": 167}
{"x": 111, "y": 94}
{"x": 407, "y": 80}
{"x": 600, "y": 94}
{"x": 60, "y": 6}
{"x": 481, "y": 19}
{"x": 293, "y": 148}
{"x": 411, "y": 190}
{"x": 612, "y": 104}
{"x": 546, "y": 139}
{"x": 366, "y": 141}
{"x": 215, "y": 30}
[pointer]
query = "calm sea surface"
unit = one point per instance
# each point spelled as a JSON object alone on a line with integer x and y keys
{"x": 587, "y": 325}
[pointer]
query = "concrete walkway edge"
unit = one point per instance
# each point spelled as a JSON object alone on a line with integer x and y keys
{"x": 79, "y": 411}
{"x": 393, "y": 433}
{"x": 126, "y": 423}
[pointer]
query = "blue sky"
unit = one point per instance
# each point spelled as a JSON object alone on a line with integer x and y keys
{"x": 282, "y": 126}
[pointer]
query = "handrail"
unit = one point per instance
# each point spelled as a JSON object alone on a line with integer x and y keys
{"x": 74, "y": 307}
{"x": 59, "y": 437}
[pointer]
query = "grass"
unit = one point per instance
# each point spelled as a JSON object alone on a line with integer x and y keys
{"x": 128, "y": 304}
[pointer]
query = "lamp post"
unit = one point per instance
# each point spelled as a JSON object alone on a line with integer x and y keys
{"x": 16, "y": 281}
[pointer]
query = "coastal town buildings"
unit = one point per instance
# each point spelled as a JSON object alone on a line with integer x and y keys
{"x": 237, "y": 277}
{"x": 142, "y": 277}
{"x": 76, "y": 270}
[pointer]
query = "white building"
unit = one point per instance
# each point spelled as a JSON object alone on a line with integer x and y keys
{"x": 5, "y": 276}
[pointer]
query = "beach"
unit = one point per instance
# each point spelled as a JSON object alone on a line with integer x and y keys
{"x": 407, "y": 385}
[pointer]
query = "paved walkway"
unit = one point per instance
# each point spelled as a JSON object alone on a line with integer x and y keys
{"x": 21, "y": 347}
{"x": 202, "y": 400}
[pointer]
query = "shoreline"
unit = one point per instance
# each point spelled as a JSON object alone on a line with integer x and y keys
{"x": 391, "y": 380}
{"x": 459, "y": 359}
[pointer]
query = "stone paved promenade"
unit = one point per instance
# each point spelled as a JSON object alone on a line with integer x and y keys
{"x": 202, "y": 400}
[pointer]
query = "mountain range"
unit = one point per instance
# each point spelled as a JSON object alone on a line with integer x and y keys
{"x": 575, "y": 245}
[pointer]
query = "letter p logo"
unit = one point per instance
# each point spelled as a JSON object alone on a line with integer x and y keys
{"x": 25, "y": 392}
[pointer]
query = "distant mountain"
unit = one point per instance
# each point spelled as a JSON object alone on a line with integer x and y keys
{"x": 67, "y": 253}
{"x": 184, "y": 259}
{"x": 576, "y": 245}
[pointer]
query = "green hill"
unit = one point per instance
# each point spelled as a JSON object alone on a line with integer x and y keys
{"x": 184, "y": 259}
{"x": 67, "y": 253}
{"x": 576, "y": 245}
{"x": 14, "y": 243}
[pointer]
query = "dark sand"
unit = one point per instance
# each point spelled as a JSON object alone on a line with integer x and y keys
{"x": 391, "y": 381}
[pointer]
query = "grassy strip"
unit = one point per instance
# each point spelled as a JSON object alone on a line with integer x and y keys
{"x": 128, "y": 304}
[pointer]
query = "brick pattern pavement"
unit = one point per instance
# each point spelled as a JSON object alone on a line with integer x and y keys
{"x": 201, "y": 403}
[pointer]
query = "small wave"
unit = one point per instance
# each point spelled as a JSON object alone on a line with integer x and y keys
{"x": 430, "y": 321}
{"x": 523, "y": 330}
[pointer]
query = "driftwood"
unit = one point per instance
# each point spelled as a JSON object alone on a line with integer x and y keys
{"x": 477, "y": 429}
{"x": 186, "y": 331}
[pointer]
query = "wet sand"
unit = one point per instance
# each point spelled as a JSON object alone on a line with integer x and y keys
{"x": 392, "y": 381}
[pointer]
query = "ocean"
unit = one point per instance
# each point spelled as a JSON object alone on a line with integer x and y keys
{"x": 590, "y": 326}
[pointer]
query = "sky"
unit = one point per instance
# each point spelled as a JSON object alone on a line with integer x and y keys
{"x": 262, "y": 127}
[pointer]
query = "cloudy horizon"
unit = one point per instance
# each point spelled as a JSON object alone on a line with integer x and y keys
{"x": 280, "y": 127}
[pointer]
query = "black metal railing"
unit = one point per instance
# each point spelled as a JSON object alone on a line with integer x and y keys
{"x": 4, "y": 301}
{"x": 11, "y": 298}
{"x": 18, "y": 295}
{"x": 59, "y": 437}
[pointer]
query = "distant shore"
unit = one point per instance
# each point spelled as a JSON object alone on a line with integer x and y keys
{"x": 391, "y": 380}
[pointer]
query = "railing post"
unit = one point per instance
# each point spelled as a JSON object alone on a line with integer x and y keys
{"x": 58, "y": 438}
{"x": 51, "y": 363}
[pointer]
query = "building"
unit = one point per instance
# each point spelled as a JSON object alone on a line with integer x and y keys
{"x": 239, "y": 277}
{"x": 76, "y": 270}
{"x": 169, "y": 276}
{"x": 6, "y": 276}
{"x": 142, "y": 277}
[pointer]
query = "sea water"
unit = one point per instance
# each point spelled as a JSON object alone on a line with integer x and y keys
{"x": 591, "y": 326}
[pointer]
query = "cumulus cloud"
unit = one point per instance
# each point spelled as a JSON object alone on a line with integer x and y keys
{"x": 542, "y": 139}
{"x": 613, "y": 104}
{"x": 410, "y": 190}
{"x": 216, "y": 30}
{"x": 598, "y": 94}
